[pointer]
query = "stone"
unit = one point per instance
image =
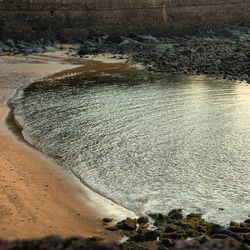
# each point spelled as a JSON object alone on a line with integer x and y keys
{"x": 215, "y": 229}
{"x": 234, "y": 224}
{"x": 171, "y": 228}
{"x": 137, "y": 237}
{"x": 114, "y": 39}
{"x": 128, "y": 224}
{"x": 220, "y": 236}
{"x": 204, "y": 239}
{"x": 147, "y": 39}
{"x": 94, "y": 239}
{"x": 176, "y": 214}
{"x": 201, "y": 228}
{"x": 194, "y": 215}
{"x": 107, "y": 220}
{"x": 225, "y": 231}
{"x": 237, "y": 236}
{"x": 4, "y": 47}
{"x": 167, "y": 242}
{"x": 239, "y": 229}
{"x": 174, "y": 236}
{"x": 186, "y": 226}
{"x": 151, "y": 235}
{"x": 244, "y": 225}
{"x": 247, "y": 221}
{"x": 10, "y": 42}
{"x": 142, "y": 220}
{"x": 247, "y": 238}
{"x": 111, "y": 228}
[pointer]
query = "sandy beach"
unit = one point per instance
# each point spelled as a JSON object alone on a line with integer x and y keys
{"x": 36, "y": 197}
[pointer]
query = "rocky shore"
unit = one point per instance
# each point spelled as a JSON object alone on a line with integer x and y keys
{"x": 222, "y": 53}
{"x": 156, "y": 232}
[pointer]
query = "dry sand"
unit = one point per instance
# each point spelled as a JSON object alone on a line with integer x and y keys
{"x": 36, "y": 197}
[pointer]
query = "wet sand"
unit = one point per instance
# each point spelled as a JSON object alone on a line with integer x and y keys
{"x": 36, "y": 197}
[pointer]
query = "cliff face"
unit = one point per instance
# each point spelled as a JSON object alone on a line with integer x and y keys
{"x": 29, "y": 19}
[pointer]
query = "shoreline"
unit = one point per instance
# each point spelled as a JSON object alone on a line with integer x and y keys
{"x": 37, "y": 198}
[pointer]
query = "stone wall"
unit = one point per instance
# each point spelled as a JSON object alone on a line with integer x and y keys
{"x": 30, "y": 19}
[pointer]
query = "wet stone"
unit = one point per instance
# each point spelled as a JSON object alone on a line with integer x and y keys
{"x": 137, "y": 237}
{"x": 142, "y": 220}
{"x": 171, "y": 228}
{"x": 176, "y": 214}
{"x": 220, "y": 236}
{"x": 107, "y": 220}
{"x": 151, "y": 235}
{"x": 167, "y": 242}
{"x": 194, "y": 215}
{"x": 247, "y": 238}
{"x": 234, "y": 224}
{"x": 128, "y": 224}
{"x": 238, "y": 237}
{"x": 240, "y": 229}
{"x": 215, "y": 228}
{"x": 111, "y": 228}
{"x": 174, "y": 236}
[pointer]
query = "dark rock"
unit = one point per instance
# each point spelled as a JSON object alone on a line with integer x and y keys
{"x": 138, "y": 237}
{"x": 247, "y": 238}
{"x": 220, "y": 236}
{"x": 111, "y": 228}
{"x": 175, "y": 214}
{"x": 114, "y": 39}
{"x": 4, "y": 47}
{"x": 53, "y": 241}
{"x": 107, "y": 220}
{"x": 244, "y": 225}
{"x": 193, "y": 215}
{"x": 142, "y": 220}
{"x": 234, "y": 224}
{"x": 186, "y": 226}
{"x": 215, "y": 229}
{"x": 174, "y": 236}
{"x": 204, "y": 239}
{"x": 239, "y": 229}
{"x": 10, "y": 42}
{"x": 201, "y": 228}
{"x": 171, "y": 228}
{"x": 94, "y": 238}
{"x": 128, "y": 224}
{"x": 151, "y": 235}
{"x": 167, "y": 242}
{"x": 85, "y": 50}
{"x": 157, "y": 217}
{"x": 26, "y": 50}
{"x": 247, "y": 221}
{"x": 225, "y": 231}
{"x": 237, "y": 236}
{"x": 147, "y": 39}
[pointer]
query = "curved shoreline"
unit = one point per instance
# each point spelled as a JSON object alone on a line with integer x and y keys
{"x": 37, "y": 198}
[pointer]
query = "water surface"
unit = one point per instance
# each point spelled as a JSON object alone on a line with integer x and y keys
{"x": 149, "y": 143}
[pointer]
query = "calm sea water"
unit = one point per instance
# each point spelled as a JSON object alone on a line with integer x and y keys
{"x": 149, "y": 143}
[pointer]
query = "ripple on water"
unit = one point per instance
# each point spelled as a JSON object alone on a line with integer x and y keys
{"x": 148, "y": 143}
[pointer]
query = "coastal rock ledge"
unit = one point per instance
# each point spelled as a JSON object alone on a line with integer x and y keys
{"x": 156, "y": 232}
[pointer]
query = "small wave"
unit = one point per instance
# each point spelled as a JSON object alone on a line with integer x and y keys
{"x": 148, "y": 143}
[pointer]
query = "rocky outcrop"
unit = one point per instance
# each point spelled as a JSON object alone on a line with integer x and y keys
{"x": 175, "y": 231}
